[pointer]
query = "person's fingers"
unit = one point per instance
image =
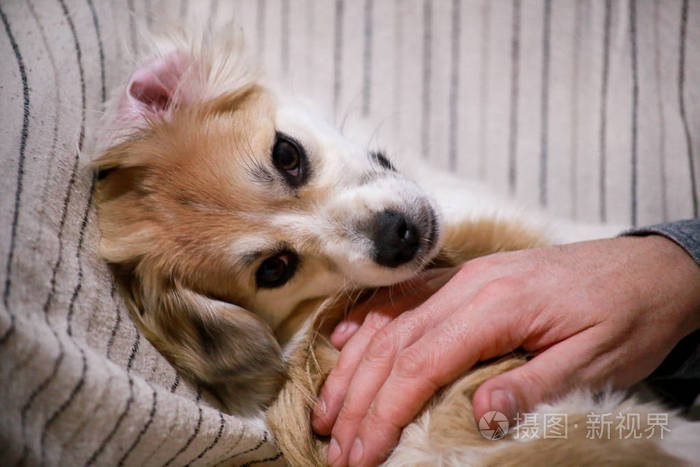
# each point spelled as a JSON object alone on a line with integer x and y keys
{"x": 547, "y": 376}
{"x": 403, "y": 296}
{"x": 389, "y": 304}
{"x": 374, "y": 314}
{"x": 350, "y": 324}
{"x": 434, "y": 360}
{"x": 334, "y": 388}
{"x": 372, "y": 370}
{"x": 378, "y": 359}
{"x": 381, "y": 354}
{"x": 345, "y": 330}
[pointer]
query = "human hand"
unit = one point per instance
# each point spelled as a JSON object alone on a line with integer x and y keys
{"x": 594, "y": 313}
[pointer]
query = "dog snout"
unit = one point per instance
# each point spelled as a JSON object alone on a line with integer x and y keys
{"x": 396, "y": 239}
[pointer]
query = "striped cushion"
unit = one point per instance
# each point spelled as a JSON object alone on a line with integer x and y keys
{"x": 585, "y": 108}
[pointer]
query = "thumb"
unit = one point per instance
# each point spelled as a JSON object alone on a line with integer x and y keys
{"x": 549, "y": 375}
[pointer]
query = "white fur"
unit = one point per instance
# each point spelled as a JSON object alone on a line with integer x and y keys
{"x": 416, "y": 446}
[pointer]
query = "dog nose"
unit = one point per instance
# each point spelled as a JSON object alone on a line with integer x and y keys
{"x": 396, "y": 239}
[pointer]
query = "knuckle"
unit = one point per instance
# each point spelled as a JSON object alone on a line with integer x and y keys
{"x": 499, "y": 288}
{"x": 382, "y": 347}
{"x": 472, "y": 268}
{"x": 349, "y": 414}
{"x": 537, "y": 386}
{"x": 411, "y": 363}
{"x": 375, "y": 321}
{"x": 342, "y": 370}
{"x": 378, "y": 416}
{"x": 475, "y": 267}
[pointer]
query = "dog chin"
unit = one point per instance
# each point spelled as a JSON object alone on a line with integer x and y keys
{"x": 374, "y": 275}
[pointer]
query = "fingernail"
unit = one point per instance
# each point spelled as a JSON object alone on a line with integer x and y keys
{"x": 333, "y": 451}
{"x": 317, "y": 416}
{"x": 504, "y": 402}
{"x": 321, "y": 406}
{"x": 356, "y": 452}
{"x": 345, "y": 328}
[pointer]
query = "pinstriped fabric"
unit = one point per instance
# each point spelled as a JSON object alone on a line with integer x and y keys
{"x": 426, "y": 70}
{"x": 232, "y": 448}
{"x": 132, "y": 27}
{"x": 454, "y": 83}
{"x": 7, "y": 332}
{"x": 120, "y": 418}
{"x": 661, "y": 146}
{"x": 214, "y": 442}
{"x": 586, "y": 108}
{"x": 117, "y": 322}
{"x": 57, "y": 115}
{"x": 263, "y": 461}
{"x": 484, "y": 88}
{"x": 682, "y": 105}
{"x": 56, "y": 364}
{"x": 602, "y": 142}
{"x": 367, "y": 58}
{"x": 574, "y": 108}
{"x": 544, "y": 100}
{"x": 176, "y": 383}
{"x": 71, "y": 307}
{"x": 635, "y": 108}
{"x": 397, "y": 75}
{"x": 337, "y": 55}
{"x": 194, "y": 434}
{"x": 143, "y": 430}
{"x": 49, "y": 405}
{"x": 285, "y": 37}
{"x": 257, "y": 446}
{"x": 514, "y": 78}
{"x": 260, "y": 25}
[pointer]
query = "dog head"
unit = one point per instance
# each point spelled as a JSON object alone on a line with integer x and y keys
{"x": 225, "y": 207}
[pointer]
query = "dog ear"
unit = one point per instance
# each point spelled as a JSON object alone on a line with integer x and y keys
{"x": 223, "y": 346}
{"x": 157, "y": 86}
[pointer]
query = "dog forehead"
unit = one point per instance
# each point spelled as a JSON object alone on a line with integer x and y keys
{"x": 219, "y": 160}
{"x": 230, "y": 140}
{"x": 318, "y": 135}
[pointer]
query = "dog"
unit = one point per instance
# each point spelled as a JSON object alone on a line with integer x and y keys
{"x": 240, "y": 227}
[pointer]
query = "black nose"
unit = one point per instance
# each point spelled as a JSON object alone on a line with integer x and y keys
{"x": 396, "y": 239}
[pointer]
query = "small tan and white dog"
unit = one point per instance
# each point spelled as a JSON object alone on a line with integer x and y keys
{"x": 240, "y": 227}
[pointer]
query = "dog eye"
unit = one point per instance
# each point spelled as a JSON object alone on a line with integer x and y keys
{"x": 286, "y": 157}
{"x": 276, "y": 270}
{"x": 289, "y": 158}
{"x": 381, "y": 159}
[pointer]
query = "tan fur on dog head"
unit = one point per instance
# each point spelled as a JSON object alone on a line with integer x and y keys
{"x": 166, "y": 216}
{"x": 192, "y": 206}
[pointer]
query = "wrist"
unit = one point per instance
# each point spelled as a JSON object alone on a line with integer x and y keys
{"x": 681, "y": 273}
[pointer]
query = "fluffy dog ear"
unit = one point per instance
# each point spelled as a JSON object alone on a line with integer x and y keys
{"x": 223, "y": 346}
{"x": 157, "y": 86}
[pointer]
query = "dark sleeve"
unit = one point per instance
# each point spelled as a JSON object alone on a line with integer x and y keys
{"x": 677, "y": 379}
{"x": 685, "y": 233}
